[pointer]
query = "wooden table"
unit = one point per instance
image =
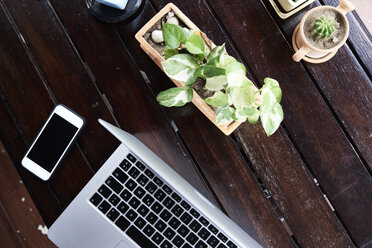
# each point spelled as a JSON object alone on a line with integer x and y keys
{"x": 308, "y": 185}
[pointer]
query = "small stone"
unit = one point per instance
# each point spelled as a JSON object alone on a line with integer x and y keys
{"x": 173, "y": 20}
{"x": 43, "y": 229}
{"x": 22, "y": 199}
{"x": 335, "y": 40}
{"x": 157, "y": 36}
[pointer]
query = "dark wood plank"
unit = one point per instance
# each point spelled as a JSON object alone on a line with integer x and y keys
{"x": 17, "y": 203}
{"x": 219, "y": 160}
{"x": 307, "y": 118}
{"x": 8, "y": 236}
{"x": 30, "y": 104}
{"x": 125, "y": 89}
{"x": 304, "y": 225}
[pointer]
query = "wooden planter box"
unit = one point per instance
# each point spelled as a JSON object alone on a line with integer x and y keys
{"x": 158, "y": 58}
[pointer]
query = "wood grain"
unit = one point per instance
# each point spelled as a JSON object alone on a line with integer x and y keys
{"x": 18, "y": 204}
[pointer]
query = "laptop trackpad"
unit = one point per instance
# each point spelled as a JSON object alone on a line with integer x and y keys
{"x": 124, "y": 244}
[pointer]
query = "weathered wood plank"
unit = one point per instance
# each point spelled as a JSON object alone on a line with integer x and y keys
{"x": 19, "y": 206}
{"x": 216, "y": 155}
{"x": 31, "y": 105}
{"x": 8, "y": 236}
{"x": 125, "y": 89}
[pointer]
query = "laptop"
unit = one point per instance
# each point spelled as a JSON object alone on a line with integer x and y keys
{"x": 136, "y": 200}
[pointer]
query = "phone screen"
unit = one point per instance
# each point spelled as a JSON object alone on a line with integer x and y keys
{"x": 52, "y": 142}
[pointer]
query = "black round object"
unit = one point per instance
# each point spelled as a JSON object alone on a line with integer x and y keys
{"x": 109, "y": 14}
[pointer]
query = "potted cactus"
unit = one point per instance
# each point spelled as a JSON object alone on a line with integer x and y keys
{"x": 207, "y": 75}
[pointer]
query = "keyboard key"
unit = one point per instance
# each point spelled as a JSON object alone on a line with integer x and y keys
{"x": 96, "y": 199}
{"x": 201, "y": 244}
{"x": 169, "y": 233}
{"x": 195, "y": 226}
{"x": 122, "y": 223}
{"x": 120, "y": 175}
{"x": 204, "y": 221}
{"x": 156, "y": 207}
{"x": 213, "y": 241}
{"x": 131, "y": 215}
{"x": 149, "y": 173}
{"x": 186, "y": 218}
{"x": 157, "y": 238}
{"x": 133, "y": 172}
{"x": 174, "y": 223}
{"x": 183, "y": 230}
{"x": 194, "y": 213}
{"x": 185, "y": 205}
{"x": 131, "y": 158}
{"x": 221, "y": 246}
{"x": 112, "y": 214}
{"x": 160, "y": 195}
{"x": 131, "y": 185}
{"x": 167, "y": 189}
{"x": 134, "y": 202}
{"x": 151, "y": 187}
{"x": 165, "y": 215}
{"x": 114, "y": 185}
{"x": 142, "y": 180}
{"x": 168, "y": 203}
{"x": 152, "y": 218}
{"x": 125, "y": 165}
{"x": 158, "y": 181}
{"x": 213, "y": 229}
{"x": 204, "y": 233}
{"x": 230, "y": 244}
{"x": 192, "y": 238}
{"x": 139, "y": 192}
{"x": 105, "y": 191}
{"x": 186, "y": 245}
{"x": 114, "y": 199}
{"x": 160, "y": 225}
{"x": 140, "y": 166}
{"x": 138, "y": 237}
{"x": 143, "y": 210}
{"x": 125, "y": 195}
{"x": 177, "y": 210}
{"x": 148, "y": 230}
{"x": 166, "y": 244}
{"x": 176, "y": 197}
{"x": 104, "y": 207}
{"x": 222, "y": 237}
{"x": 148, "y": 200}
{"x": 178, "y": 241}
{"x": 123, "y": 207}
{"x": 140, "y": 223}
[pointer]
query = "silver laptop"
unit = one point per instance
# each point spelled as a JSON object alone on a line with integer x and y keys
{"x": 137, "y": 201}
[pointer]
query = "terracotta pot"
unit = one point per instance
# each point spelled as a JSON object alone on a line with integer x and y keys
{"x": 158, "y": 58}
{"x": 304, "y": 50}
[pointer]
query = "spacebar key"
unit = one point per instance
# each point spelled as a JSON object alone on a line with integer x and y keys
{"x": 139, "y": 238}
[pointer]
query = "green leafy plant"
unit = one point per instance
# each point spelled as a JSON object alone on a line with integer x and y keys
{"x": 324, "y": 27}
{"x": 234, "y": 95}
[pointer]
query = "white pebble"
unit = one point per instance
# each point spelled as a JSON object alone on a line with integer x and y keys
{"x": 157, "y": 36}
{"x": 43, "y": 229}
{"x": 173, "y": 20}
{"x": 335, "y": 40}
{"x": 22, "y": 199}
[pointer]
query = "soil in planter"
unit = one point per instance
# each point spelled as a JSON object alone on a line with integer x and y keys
{"x": 335, "y": 38}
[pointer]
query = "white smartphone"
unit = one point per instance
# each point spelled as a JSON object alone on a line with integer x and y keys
{"x": 53, "y": 141}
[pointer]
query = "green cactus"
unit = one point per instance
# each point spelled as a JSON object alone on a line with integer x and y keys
{"x": 324, "y": 27}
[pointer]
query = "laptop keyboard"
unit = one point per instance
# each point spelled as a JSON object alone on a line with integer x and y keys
{"x": 151, "y": 213}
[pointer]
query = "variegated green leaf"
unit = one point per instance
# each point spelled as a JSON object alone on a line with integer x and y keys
{"x": 250, "y": 112}
{"x": 242, "y": 96}
{"x": 224, "y": 115}
{"x": 209, "y": 71}
{"x": 214, "y": 56}
{"x": 169, "y": 53}
{"x": 181, "y": 67}
{"x": 216, "y": 83}
{"x": 175, "y": 97}
{"x": 235, "y": 73}
{"x": 195, "y": 44}
{"x": 219, "y": 99}
{"x": 271, "y": 113}
{"x": 173, "y": 35}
